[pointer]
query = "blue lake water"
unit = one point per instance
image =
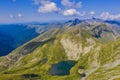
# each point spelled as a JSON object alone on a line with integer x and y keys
{"x": 62, "y": 68}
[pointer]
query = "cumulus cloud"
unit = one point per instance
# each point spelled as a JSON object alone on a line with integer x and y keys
{"x": 107, "y": 15}
{"x": 67, "y": 3}
{"x": 71, "y": 12}
{"x": 70, "y": 4}
{"x": 92, "y": 13}
{"x": 48, "y": 7}
{"x": 69, "y": 7}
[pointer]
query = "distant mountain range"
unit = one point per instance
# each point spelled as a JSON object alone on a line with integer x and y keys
{"x": 18, "y": 34}
{"x": 73, "y": 50}
{"x": 13, "y": 36}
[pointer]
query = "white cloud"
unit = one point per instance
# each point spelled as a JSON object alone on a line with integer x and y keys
{"x": 48, "y": 7}
{"x": 67, "y": 3}
{"x": 19, "y": 15}
{"x": 92, "y": 13}
{"x": 70, "y": 4}
{"x": 107, "y": 15}
{"x": 71, "y": 12}
{"x": 40, "y": 1}
{"x": 15, "y": 16}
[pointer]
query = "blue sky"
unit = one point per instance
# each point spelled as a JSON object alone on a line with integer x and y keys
{"x": 15, "y": 11}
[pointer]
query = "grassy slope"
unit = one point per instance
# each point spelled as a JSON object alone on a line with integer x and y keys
{"x": 53, "y": 51}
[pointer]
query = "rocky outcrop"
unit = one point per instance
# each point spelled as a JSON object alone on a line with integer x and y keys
{"x": 74, "y": 49}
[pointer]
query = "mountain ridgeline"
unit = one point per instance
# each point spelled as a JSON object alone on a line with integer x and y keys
{"x": 74, "y": 50}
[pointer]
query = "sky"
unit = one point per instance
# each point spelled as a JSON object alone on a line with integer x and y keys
{"x": 20, "y": 11}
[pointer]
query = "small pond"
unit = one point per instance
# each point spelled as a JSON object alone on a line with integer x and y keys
{"x": 62, "y": 68}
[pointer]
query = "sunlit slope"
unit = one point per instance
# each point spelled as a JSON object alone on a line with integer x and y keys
{"x": 96, "y": 56}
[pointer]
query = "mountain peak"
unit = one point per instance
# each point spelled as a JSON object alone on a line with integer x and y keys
{"x": 74, "y": 21}
{"x": 96, "y": 19}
